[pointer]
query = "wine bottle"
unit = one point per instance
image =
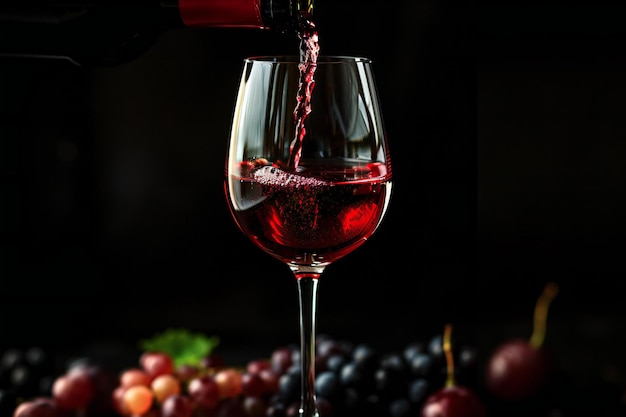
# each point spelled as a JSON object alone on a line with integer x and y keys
{"x": 109, "y": 32}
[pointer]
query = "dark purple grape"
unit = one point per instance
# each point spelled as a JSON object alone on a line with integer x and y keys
{"x": 421, "y": 365}
{"x": 390, "y": 382}
{"x": 328, "y": 386}
{"x": 352, "y": 375}
{"x": 38, "y": 358}
{"x": 411, "y": 349}
{"x": 276, "y": 410}
{"x": 435, "y": 347}
{"x": 334, "y": 363}
{"x": 11, "y": 358}
{"x": 365, "y": 356}
{"x": 289, "y": 387}
{"x": 24, "y": 380}
{"x": 400, "y": 407}
{"x": 418, "y": 390}
{"x": 394, "y": 361}
{"x": 330, "y": 347}
{"x": 467, "y": 357}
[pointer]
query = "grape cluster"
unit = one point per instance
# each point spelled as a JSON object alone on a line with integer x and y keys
{"x": 358, "y": 379}
{"x": 351, "y": 380}
{"x": 24, "y": 373}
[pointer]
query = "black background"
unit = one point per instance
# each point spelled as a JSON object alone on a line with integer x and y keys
{"x": 508, "y": 142}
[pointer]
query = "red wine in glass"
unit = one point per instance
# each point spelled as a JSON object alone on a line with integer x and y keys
{"x": 308, "y": 172}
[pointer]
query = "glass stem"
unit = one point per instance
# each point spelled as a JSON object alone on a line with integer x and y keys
{"x": 307, "y": 289}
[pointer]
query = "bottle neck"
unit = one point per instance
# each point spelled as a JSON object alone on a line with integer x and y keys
{"x": 281, "y": 15}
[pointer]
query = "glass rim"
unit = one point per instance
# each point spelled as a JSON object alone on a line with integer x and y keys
{"x": 295, "y": 59}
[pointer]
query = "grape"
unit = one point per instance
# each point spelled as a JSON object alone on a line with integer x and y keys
{"x": 418, "y": 389}
{"x": 137, "y": 399}
{"x": 176, "y": 405}
{"x": 186, "y": 372}
{"x": 254, "y": 406}
{"x": 252, "y": 385}
{"x": 133, "y": 377}
{"x": 455, "y": 401}
{"x": 277, "y": 409}
{"x": 117, "y": 399}
{"x": 327, "y": 385}
{"x": 73, "y": 391}
{"x": 365, "y": 356}
{"x": 36, "y": 356}
{"x": 421, "y": 364}
{"x": 164, "y": 386}
{"x": 335, "y": 362}
{"x": 270, "y": 380}
{"x": 27, "y": 372}
{"x": 11, "y": 358}
{"x": 230, "y": 407}
{"x": 204, "y": 391}
{"x": 324, "y": 407}
{"x": 228, "y": 382}
{"x": 23, "y": 380}
{"x": 282, "y": 359}
{"x": 256, "y": 366}
{"x": 400, "y": 407}
{"x": 411, "y": 349}
{"x": 156, "y": 363}
{"x": 352, "y": 375}
{"x": 516, "y": 370}
{"x": 289, "y": 387}
{"x": 389, "y": 382}
{"x": 214, "y": 360}
{"x": 40, "y": 407}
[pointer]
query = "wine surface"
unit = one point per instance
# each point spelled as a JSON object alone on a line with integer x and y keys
{"x": 312, "y": 218}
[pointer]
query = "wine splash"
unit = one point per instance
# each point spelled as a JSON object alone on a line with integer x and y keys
{"x": 309, "y": 51}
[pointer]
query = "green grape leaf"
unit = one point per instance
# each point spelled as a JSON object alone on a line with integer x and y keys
{"x": 184, "y": 347}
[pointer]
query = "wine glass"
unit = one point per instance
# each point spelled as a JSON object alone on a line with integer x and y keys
{"x": 308, "y": 173}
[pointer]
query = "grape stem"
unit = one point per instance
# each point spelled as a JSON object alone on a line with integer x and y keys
{"x": 541, "y": 315}
{"x": 447, "y": 350}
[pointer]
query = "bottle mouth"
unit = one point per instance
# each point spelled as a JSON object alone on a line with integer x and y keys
{"x": 295, "y": 59}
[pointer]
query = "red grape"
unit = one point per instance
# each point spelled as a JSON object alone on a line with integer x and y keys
{"x": 254, "y": 406}
{"x": 455, "y": 401}
{"x": 256, "y": 366}
{"x": 138, "y": 399}
{"x": 214, "y": 360}
{"x": 133, "y": 377}
{"x": 516, "y": 370}
{"x": 164, "y": 386}
{"x": 186, "y": 372}
{"x": 230, "y": 407}
{"x": 270, "y": 378}
{"x": 156, "y": 363}
{"x": 204, "y": 391}
{"x": 117, "y": 398}
{"x": 74, "y": 390}
{"x": 282, "y": 359}
{"x": 39, "y": 407}
{"x": 252, "y": 385}
{"x": 176, "y": 405}
{"x": 229, "y": 382}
